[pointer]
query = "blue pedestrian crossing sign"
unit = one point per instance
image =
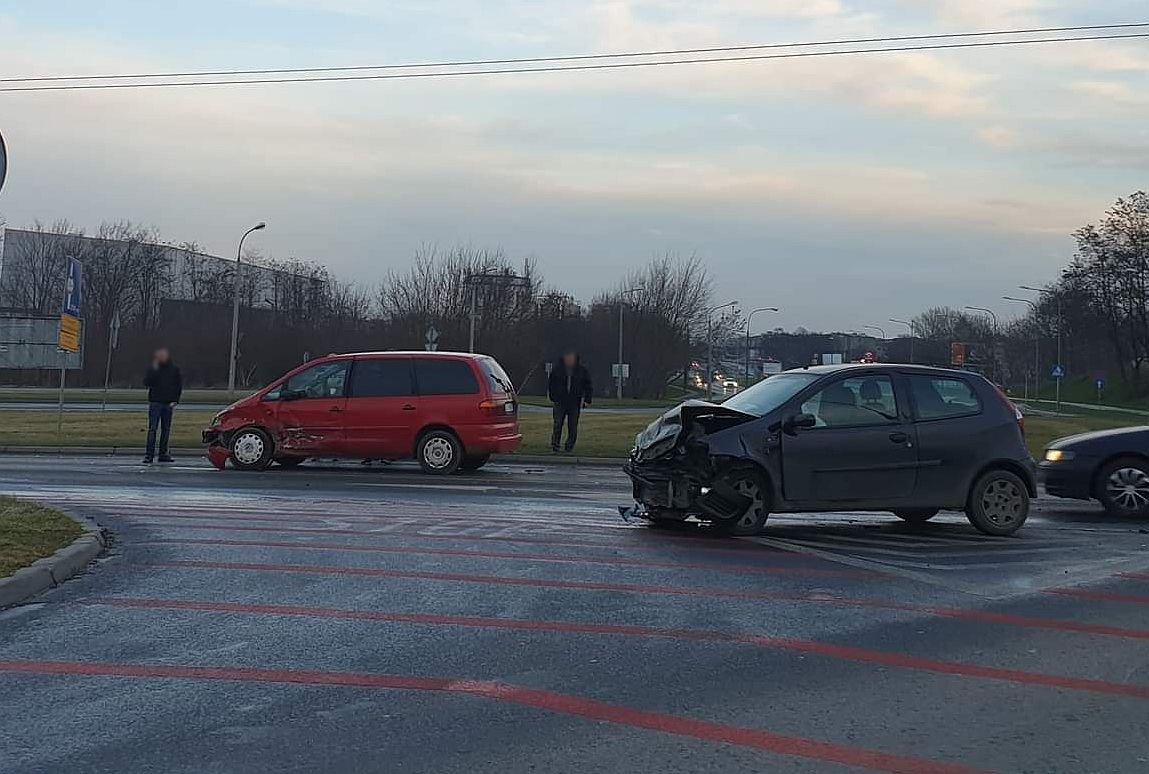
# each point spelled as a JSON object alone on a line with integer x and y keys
{"x": 1058, "y": 371}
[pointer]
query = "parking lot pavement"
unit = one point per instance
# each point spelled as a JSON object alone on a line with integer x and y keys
{"x": 346, "y": 618}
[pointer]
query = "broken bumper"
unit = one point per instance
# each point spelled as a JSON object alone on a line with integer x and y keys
{"x": 666, "y": 486}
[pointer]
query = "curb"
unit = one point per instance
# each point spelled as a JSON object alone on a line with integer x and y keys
{"x": 51, "y": 571}
{"x": 114, "y": 451}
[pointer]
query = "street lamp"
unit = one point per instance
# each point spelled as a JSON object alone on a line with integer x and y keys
{"x": 622, "y": 305}
{"x": 710, "y": 346}
{"x": 881, "y": 331}
{"x": 1060, "y": 325}
{"x": 1036, "y": 344}
{"x": 909, "y": 324}
{"x": 235, "y": 306}
{"x": 750, "y": 317}
{"x": 992, "y": 335}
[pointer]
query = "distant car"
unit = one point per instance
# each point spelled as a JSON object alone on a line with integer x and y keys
{"x": 1111, "y": 466}
{"x": 449, "y": 411}
{"x": 907, "y": 439}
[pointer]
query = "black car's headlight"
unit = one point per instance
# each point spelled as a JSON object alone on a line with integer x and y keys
{"x": 1058, "y": 455}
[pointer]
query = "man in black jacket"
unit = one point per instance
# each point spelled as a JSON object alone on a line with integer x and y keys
{"x": 165, "y": 386}
{"x": 570, "y": 391}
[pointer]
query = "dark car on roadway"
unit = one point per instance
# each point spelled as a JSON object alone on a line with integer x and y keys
{"x": 1111, "y": 466}
{"x": 908, "y": 439}
{"x": 450, "y": 411}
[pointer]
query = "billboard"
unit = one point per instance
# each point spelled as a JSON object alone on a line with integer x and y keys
{"x": 32, "y": 342}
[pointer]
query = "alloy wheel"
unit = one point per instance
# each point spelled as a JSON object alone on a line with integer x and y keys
{"x": 1128, "y": 488}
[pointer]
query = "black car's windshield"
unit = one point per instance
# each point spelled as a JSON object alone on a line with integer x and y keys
{"x": 771, "y": 393}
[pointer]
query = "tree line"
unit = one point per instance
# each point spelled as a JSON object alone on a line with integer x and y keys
{"x": 295, "y": 309}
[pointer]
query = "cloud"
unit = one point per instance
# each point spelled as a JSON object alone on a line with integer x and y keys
{"x": 1000, "y": 137}
{"x": 1112, "y": 91}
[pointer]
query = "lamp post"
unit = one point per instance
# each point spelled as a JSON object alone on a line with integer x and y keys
{"x": 622, "y": 305}
{"x": 1036, "y": 344}
{"x": 909, "y": 324}
{"x": 1060, "y": 325}
{"x": 710, "y": 346}
{"x": 992, "y": 335}
{"x": 749, "y": 318}
{"x": 235, "y": 307}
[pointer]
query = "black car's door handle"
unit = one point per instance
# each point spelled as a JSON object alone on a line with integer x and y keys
{"x": 899, "y": 437}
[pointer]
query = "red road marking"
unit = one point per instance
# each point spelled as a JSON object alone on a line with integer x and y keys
{"x": 738, "y": 569}
{"x": 971, "y": 615}
{"x": 570, "y": 627}
{"x": 546, "y": 700}
{"x": 1100, "y": 596}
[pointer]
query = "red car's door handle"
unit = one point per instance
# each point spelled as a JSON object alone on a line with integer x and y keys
{"x": 408, "y": 407}
{"x": 336, "y": 408}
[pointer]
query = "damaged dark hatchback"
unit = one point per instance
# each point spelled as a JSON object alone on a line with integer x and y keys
{"x": 908, "y": 439}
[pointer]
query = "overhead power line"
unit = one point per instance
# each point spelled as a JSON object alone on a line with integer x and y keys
{"x": 145, "y": 84}
{"x": 573, "y": 57}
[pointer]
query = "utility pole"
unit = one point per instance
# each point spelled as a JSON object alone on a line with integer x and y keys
{"x": 235, "y": 307}
{"x": 621, "y": 306}
{"x": 1036, "y": 344}
{"x": 710, "y": 346}
{"x": 909, "y": 324}
{"x": 113, "y": 341}
{"x": 749, "y": 318}
{"x": 1060, "y": 326}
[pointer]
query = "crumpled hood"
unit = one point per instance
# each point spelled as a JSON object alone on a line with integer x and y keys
{"x": 659, "y": 435}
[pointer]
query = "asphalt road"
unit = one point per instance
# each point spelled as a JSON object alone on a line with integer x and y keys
{"x": 353, "y": 619}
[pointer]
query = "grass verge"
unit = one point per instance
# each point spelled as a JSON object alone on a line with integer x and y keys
{"x": 29, "y": 532}
{"x": 600, "y": 435}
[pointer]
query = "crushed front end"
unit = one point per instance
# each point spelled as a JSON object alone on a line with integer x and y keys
{"x": 673, "y": 469}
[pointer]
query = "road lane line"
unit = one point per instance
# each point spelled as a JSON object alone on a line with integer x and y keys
{"x": 1100, "y": 596}
{"x": 619, "y": 561}
{"x": 566, "y": 704}
{"x": 761, "y": 596}
{"x": 768, "y": 642}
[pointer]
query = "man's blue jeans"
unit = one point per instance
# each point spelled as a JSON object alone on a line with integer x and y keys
{"x": 159, "y": 415}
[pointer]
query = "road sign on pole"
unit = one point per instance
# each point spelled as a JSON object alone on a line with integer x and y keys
{"x": 70, "y": 327}
{"x": 1058, "y": 372}
{"x": 431, "y": 340}
{"x": 3, "y": 162}
{"x": 957, "y": 354}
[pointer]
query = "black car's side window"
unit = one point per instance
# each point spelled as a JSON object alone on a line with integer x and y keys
{"x": 384, "y": 378}
{"x": 855, "y": 402}
{"x": 941, "y": 397}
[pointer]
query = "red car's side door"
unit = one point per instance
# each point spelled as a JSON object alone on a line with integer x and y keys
{"x": 382, "y": 408}
{"x": 309, "y": 409}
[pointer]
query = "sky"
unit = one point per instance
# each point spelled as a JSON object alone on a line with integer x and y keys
{"x": 845, "y": 190}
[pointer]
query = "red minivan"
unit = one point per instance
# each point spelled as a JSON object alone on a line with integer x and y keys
{"x": 450, "y": 411}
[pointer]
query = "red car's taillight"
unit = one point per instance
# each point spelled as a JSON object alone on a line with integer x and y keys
{"x": 498, "y": 408}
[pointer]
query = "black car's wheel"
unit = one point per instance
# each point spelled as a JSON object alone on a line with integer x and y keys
{"x": 916, "y": 515}
{"x": 998, "y": 503}
{"x": 474, "y": 462}
{"x": 748, "y": 483}
{"x": 439, "y": 452}
{"x": 251, "y": 449}
{"x": 1123, "y": 487}
{"x": 290, "y": 462}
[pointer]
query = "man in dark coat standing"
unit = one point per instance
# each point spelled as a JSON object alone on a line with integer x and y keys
{"x": 570, "y": 390}
{"x": 165, "y": 387}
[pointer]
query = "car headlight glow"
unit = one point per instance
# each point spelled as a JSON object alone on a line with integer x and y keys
{"x": 1058, "y": 455}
